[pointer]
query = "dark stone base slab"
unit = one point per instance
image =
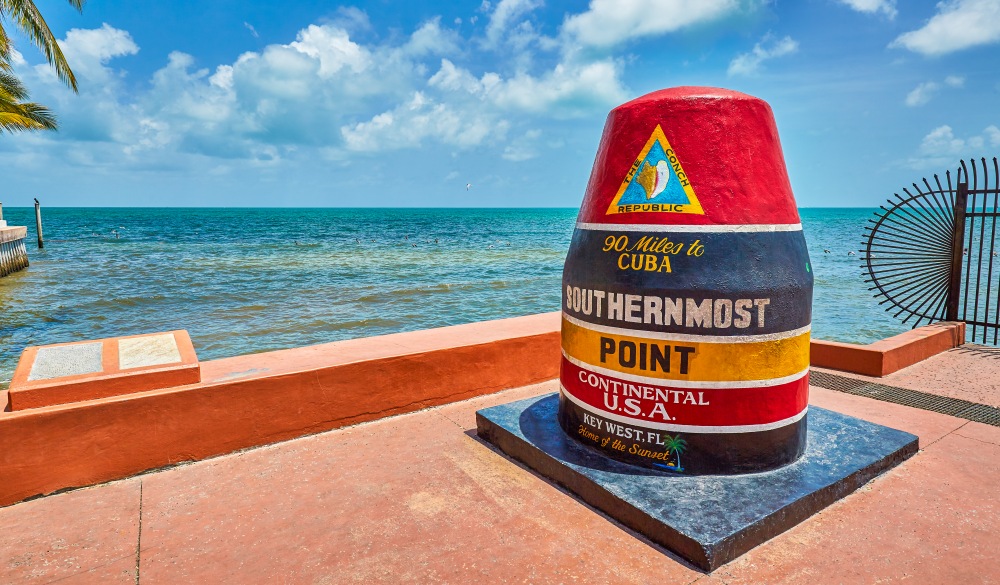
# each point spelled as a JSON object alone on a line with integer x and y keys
{"x": 709, "y": 519}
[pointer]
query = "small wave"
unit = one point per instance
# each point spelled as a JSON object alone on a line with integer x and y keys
{"x": 126, "y": 301}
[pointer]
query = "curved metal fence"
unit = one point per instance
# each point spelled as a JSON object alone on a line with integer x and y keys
{"x": 931, "y": 253}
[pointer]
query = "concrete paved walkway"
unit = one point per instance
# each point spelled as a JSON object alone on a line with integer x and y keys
{"x": 970, "y": 372}
{"x": 419, "y": 499}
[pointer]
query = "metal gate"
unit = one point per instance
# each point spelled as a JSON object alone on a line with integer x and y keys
{"x": 931, "y": 254}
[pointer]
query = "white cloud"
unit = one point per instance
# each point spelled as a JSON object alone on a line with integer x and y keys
{"x": 432, "y": 39}
{"x": 153, "y": 134}
{"x": 411, "y": 123}
{"x": 568, "y": 91}
{"x": 768, "y": 48}
{"x": 942, "y": 141}
{"x": 351, "y": 18}
{"x": 993, "y": 135}
{"x": 16, "y": 58}
{"x": 97, "y": 114}
{"x": 940, "y": 148}
{"x": 325, "y": 93}
{"x": 332, "y": 47}
{"x": 924, "y": 92}
{"x": 334, "y": 92}
{"x": 452, "y": 78}
{"x": 503, "y": 16}
{"x": 522, "y": 148}
{"x": 886, "y": 7}
{"x": 610, "y": 22}
{"x": 89, "y": 50}
{"x": 958, "y": 24}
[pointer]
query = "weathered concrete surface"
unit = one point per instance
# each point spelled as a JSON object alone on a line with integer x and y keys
{"x": 86, "y": 536}
{"x": 66, "y": 360}
{"x": 152, "y": 350}
{"x": 12, "y": 233}
{"x": 970, "y": 372}
{"x": 929, "y": 427}
{"x": 418, "y": 499}
{"x": 403, "y": 500}
{"x": 933, "y": 520}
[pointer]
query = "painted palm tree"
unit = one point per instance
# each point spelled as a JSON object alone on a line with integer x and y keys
{"x": 676, "y": 445}
{"x": 16, "y": 114}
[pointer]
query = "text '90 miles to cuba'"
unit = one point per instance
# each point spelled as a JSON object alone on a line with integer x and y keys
{"x": 649, "y": 253}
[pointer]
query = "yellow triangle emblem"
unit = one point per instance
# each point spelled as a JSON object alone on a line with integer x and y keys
{"x": 656, "y": 182}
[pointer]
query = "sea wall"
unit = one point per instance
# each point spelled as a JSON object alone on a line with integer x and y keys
{"x": 888, "y": 355}
{"x": 13, "y": 255}
{"x": 257, "y": 399}
{"x": 264, "y": 398}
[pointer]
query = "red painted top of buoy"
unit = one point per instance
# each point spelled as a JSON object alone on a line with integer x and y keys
{"x": 724, "y": 142}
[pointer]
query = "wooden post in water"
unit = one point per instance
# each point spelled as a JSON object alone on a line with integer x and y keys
{"x": 38, "y": 224}
{"x": 1, "y": 210}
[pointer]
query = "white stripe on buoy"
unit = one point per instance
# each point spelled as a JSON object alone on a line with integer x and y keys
{"x": 644, "y": 227}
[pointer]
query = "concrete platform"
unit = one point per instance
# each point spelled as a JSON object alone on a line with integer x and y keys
{"x": 12, "y": 233}
{"x": 13, "y": 255}
{"x": 419, "y": 499}
{"x": 75, "y": 372}
{"x": 708, "y": 520}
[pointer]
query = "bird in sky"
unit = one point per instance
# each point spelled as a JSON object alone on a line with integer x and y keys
{"x": 468, "y": 186}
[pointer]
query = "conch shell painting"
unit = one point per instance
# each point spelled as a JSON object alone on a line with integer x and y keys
{"x": 654, "y": 179}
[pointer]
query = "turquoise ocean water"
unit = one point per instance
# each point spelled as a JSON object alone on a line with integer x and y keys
{"x": 250, "y": 280}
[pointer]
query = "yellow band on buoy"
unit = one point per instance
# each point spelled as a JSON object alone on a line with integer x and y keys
{"x": 686, "y": 360}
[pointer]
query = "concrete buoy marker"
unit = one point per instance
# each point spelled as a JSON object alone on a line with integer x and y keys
{"x": 687, "y": 292}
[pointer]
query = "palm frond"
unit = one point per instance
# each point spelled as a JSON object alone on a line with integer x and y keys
{"x": 17, "y": 115}
{"x": 39, "y": 114}
{"x": 25, "y": 15}
{"x": 5, "y": 44}
{"x": 26, "y": 117}
{"x": 11, "y": 88}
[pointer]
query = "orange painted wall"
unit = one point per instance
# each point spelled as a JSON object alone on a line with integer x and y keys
{"x": 257, "y": 399}
{"x": 264, "y": 398}
{"x": 888, "y": 355}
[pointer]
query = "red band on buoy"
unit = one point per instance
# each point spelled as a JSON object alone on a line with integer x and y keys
{"x": 713, "y": 409}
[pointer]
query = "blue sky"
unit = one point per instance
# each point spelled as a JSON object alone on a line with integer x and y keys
{"x": 255, "y": 103}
